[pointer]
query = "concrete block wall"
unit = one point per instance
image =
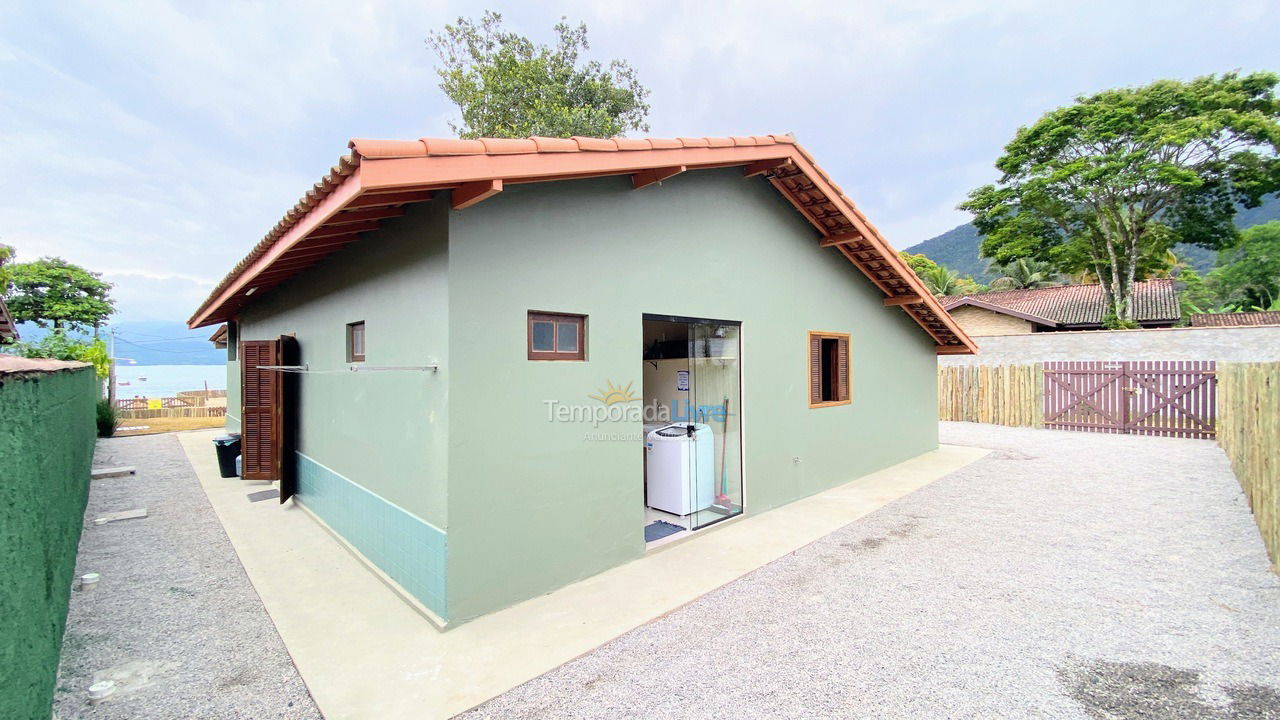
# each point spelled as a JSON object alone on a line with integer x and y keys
{"x": 1234, "y": 344}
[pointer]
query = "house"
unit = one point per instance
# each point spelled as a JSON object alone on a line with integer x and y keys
{"x": 1236, "y": 319}
{"x": 494, "y": 367}
{"x": 8, "y": 328}
{"x": 1062, "y": 307}
{"x": 219, "y": 337}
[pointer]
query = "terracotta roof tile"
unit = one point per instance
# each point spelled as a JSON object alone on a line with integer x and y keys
{"x": 546, "y": 144}
{"x": 807, "y": 186}
{"x": 1153, "y": 301}
{"x": 506, "y": 146}
{"x": 632, "y": 144}
{"x": 664, "y": 144}
{"x": 596, "y": 144}
{"x": 1236, "y": 319}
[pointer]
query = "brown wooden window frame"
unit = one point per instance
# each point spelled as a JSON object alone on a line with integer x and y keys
{"x": 841, "y": 379}
{"x": 352, "y": 355}
{"x": 558, "y": 320}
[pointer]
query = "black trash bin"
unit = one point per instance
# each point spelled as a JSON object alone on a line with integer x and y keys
{"x": 228, "y": 447}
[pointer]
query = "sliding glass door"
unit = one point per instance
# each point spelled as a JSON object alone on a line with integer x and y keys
{"x": 715, "y": 412}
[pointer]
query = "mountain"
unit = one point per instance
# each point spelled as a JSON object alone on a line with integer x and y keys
{"x": 152, "y": 343}
{"x": 957, "y": 248}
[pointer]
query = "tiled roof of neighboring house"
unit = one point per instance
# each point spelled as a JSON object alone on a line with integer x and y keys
{"x": 1154, "y": 301}
{"x": 378, "y": 177}
{"x": 10, "y": 364}
{"x": 219, "y": 337}
{"x": 8, "y": 328}
{"x": 1236, "y": 319}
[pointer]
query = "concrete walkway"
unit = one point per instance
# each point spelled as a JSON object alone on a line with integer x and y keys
{"x": 174, "y": 621}
{"x": 365, "y": 653}
{"x": 1066, "y": 575}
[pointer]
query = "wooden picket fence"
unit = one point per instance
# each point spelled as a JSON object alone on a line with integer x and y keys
{"x": 999, "y": 394}
{"x": 1249, "y": 432}
{"x": 172, "y": 411}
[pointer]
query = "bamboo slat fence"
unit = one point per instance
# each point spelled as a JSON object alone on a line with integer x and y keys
{"x": 1000, "y": 394}
{"x": 1249, "y": 432}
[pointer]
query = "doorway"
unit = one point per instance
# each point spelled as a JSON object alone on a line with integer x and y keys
{"x": 692, "y": 383}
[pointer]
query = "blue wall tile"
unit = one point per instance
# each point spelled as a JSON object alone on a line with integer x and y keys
{"x": 409, "y": 550}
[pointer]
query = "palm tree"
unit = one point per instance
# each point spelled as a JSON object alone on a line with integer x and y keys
{"x": 942, "y": 280}
{"x": 1024, "y": 274}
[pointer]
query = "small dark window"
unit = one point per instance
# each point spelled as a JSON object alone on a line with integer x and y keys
{"x": 233, "y": 339}
{"x": 828, "y": 369}
{"x": 557, "y": 336}
{"x": 355, "y": 342}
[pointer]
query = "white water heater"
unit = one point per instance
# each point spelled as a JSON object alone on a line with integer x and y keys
{"x": 681, "y": 468}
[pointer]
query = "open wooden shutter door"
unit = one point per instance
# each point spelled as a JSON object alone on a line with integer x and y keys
{"x": 815, "y": 369}
{"x": 842, "y": 361}
{"x": 260, "y": 412}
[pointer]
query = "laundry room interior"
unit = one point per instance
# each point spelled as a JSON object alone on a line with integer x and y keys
{"x": 692, "y": 382}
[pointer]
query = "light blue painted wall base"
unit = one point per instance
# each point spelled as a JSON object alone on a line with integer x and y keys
{"x": 410, "y": 551}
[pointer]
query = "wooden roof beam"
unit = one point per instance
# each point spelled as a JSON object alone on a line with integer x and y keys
{"x": 468, "y": 194}
{"x": 347, "y": 229}
{"x": 645, "y": 178}
{"x": 374, "y": 199}
{"x": 841, "y": 239}
{"x": 897, "y": 300}
{"x": 378, "y": 213}
{"x": 760, "y": 167}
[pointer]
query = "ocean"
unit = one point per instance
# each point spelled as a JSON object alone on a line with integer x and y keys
{"x": 167, "y": 380}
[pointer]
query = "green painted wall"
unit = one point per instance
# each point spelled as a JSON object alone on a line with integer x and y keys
{"x": 386, "y": 431}
{"x": 533, "y": 504}
{"x": 233, "y": 395}
{"x": 46, "y": 448}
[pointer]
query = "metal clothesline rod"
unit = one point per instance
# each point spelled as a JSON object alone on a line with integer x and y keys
{"x": 305, "y": 369}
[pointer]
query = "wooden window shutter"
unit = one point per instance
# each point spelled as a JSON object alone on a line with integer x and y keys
{"x": 815, "y": 368}
{"x": 260, "y": 412}
{"x": 842, "y": 358}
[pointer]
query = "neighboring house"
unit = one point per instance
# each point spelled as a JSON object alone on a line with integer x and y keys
{"x": 1236, "y": 319}
{"x": 460, "y": 354}
{"x": 219, "y": 337}
{"x": 1062, "y": 307}
{"x": 8, "y": 328}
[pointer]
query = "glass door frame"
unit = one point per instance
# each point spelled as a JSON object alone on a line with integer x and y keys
{"x": 691, "y": 520}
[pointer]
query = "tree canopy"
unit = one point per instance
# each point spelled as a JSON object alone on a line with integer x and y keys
{"x": 505, "y": 85}
{"x": 1109, "y": 184}
{"x": 52, "y": 292}
{"x": 940, "y": 279}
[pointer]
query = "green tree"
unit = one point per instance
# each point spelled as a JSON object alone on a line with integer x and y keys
{"x": 508, "y": 86}
{"x": 58, "y": 345}
{"x": 1023, "y": 274}
{"x": 1110, "y": 183}
{"x": 52, "y": 292}
{"x": 919, "y": 262}
{"x": 1248, "y": 273}
{"x": 942, "y": 280}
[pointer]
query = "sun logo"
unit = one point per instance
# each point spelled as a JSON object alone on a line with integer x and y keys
{"x": 615, "y": 394}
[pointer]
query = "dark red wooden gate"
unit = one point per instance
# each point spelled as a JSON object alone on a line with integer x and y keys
{"x": 1167, "y": 398}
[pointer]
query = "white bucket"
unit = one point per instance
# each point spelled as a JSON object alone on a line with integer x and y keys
{"x": 89, "y": 581}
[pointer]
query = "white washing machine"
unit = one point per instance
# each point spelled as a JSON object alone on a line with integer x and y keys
{"x": 680, "y": 468}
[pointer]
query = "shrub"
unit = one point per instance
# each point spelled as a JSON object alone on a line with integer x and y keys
{"x": 106, "y": 418}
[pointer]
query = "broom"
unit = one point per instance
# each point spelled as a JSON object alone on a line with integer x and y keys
{"x": 723, "y": 503}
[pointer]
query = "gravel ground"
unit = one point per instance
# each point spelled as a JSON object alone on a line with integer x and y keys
{"x": 174, "y": 620}
{"x": 1067, "y": 575}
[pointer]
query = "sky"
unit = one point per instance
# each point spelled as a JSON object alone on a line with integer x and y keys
{"x": 157, "y": 142}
